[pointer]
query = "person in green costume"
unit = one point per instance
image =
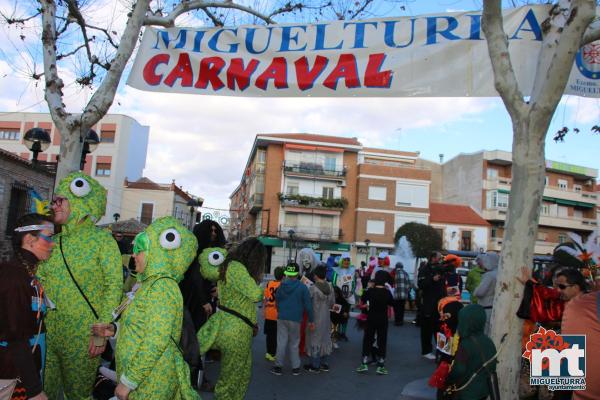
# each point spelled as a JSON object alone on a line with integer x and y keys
{"x": 237, "y": 275}
{"x": 92, "y": 257}
{"x": 150, "y": 364}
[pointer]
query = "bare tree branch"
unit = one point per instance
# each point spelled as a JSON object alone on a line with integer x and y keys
{"x": 13, "y": 20}
{"x": 186, "y": 6}
{"x": 213, "y": 17}
{"x": 105, "y": 31}
{"x": 361, "y": 9}
{"x": 76, "y": 14}
{"x": 289, "y": 7}
{"x": 505, "y": 81}
{"x": 64, "y": 55}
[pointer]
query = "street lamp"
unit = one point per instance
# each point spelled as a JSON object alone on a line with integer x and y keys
{"x": 367, "y": 243}
{"x": 90, "y": 143}
{"x": 291, "y": 233}
{"x": 37, "y": 140}
{"x": 116, "y": 216}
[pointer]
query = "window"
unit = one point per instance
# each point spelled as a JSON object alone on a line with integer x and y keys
{"x": 261, "y": 156}
{"x": 17, "y": 206}
{"x": 497, "y": 199}
{"x": 376, "y": 227}
{"x": 411, "y": 195}
{"x": 102, "y": 169}
{"x": 327, "y": 223}
{"x": 494, "y": 232}
{"x": 578, "y": 213}
{"x": 465, "y": 241}
{"x": 577, "y": 188}
{"x": 545, "y": 209}
{"x": 545, "y": 181}
{"x": 377, "y": 193}
{"x": 327, "y": 192}
{"x": 563, "y": 184}
{"x": 542, "y": 236}
{"x": 329, "y": 163}
{"x": 260, "y": 184}
{"x": 292, "y": 188}
{"x": 562, "y": 238}
{"x": 492, "y": 173}
{"x": 147, "y": 213}
{"x": 440, "y": 231}
{"x": 107, "y": 136}
{"x": 563, "y": 212}
{"x": 10, "y": 134}
{"x": 291, "y": 220}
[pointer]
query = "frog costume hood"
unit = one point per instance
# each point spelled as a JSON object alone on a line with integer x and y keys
{"x": 87, "y": 197}
{"x": 169, "y": 247}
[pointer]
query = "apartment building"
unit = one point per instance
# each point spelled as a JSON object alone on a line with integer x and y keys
{"x": 120, "y": 155}
{"x": 328, "y": 193}
{"x": 482, "y": 180}
{"x": 145, "y": 200}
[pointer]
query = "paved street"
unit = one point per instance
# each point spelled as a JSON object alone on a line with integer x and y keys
{"x": 404, "y": 363}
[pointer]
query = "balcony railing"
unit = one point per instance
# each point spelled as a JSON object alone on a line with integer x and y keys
{"x": 310, "y": 232}
{"x": 298, "y": 200}
{"x": 255, "y": 202}
{"x": 313, "y": 169}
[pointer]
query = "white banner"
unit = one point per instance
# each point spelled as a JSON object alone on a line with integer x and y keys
{"x": 424, "y": 56}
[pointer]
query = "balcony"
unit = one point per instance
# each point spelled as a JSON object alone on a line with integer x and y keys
{"x": 586, "y": 224}
{"x": 570, "y": 194}
{"x": 255, "y": 203}
{"x": 298, "y": 200}
{"x": 498, "y": 183}
{"x": 541, "y": 246}
{"x": 311, "y": 233}
{"x": 495, "y": 214}
{"x": 312, "y": 169}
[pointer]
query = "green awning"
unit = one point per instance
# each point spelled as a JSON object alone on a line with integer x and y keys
{"x": 504, "y": 191}
{"x": 334, "y": 246}
{"x": 271, "y": 241}
{"x": 573, "y": 203}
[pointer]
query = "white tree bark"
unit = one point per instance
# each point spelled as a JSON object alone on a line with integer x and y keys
{"x": 563, "y": 35}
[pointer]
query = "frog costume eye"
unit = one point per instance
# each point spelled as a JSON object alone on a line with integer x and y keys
{"x": 170, "y": 239}
{"x": 216, "y": 258}
{"x": 80, "y": 187}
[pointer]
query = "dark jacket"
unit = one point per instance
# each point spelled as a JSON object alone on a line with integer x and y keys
{"x": 293, "y": 298}
{"x": 474, "y": 349}
{"x": 431, "y": 291}
{"x": 19, "y": 324}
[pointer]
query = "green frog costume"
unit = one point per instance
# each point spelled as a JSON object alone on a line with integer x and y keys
{"x": 148, "y": 357}
{"x": 226, "y": 332}
{"x": 95, "y": 262}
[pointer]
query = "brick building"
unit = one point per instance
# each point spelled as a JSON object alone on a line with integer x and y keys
{"x": 328, "y": 193}
{"x": 482, "y": 180}
{"x": 121, "y": 153}
{"x": 18, "y": 177}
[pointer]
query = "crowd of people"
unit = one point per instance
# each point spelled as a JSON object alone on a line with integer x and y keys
{"x": 83, "y": 322}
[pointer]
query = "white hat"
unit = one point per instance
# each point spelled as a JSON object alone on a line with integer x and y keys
{"x": 345, "y": 255}
{"x": 383, "y": 254}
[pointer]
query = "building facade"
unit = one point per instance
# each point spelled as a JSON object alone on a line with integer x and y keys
{"x": 483, "y": 181}
{"x": 461, "y": 228}
{"x": 19, "y": 178}
{"x": 120, "y": 155}
{"x": 145, "y": 200}
{"x": 328, "y": 193}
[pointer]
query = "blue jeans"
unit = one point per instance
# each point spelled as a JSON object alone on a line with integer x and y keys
{"x": 316, "y": 362}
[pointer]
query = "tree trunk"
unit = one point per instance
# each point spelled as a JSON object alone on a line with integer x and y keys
{"x": 70, "y": 151}
{"x": 528, "y": 172}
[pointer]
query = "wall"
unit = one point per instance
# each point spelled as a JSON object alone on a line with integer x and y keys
{"x": 479, "y": 236}
{"x": 163, "y": 201}
{"x": 462, "y": 177}
{"x": 273, "y": 185}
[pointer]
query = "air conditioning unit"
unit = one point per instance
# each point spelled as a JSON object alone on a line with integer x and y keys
{"x": 342, "y": 183}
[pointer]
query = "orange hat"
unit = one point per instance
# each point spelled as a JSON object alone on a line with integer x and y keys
{"x": 453, "y": 260}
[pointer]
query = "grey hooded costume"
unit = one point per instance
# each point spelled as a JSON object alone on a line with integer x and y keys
{"x": 487, "y": 287}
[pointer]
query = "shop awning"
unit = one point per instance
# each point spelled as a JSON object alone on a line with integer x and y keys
{"x": 271, "y": 241}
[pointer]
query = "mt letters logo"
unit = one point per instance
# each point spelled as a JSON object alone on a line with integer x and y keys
{"x": 557, "y": 361}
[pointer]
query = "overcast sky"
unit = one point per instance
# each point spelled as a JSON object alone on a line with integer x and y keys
{"x": 203, "y": 141}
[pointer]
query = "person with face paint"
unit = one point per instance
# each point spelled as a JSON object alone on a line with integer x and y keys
{"x": 23, "y": 305}
{"x": 83, "y": 277}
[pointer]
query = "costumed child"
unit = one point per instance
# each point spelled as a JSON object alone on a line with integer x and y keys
{"x": 84, "y": 279}
{"x": 339, "y": 314}
{"x": 318, "y": 340}
{"x": 307, "y": 261}
{"x": 345, "y": 277}
{"x": 446, "y": 339}
{"x": 149, "y": 361}
{"x": 232, "y": 327}
{"x": 377, "y": 301}
{"x": 270, "y": 313}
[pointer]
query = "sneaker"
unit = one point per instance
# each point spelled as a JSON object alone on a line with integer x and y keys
{"x": 429, "y": 356}
{"x": 310, "y": 368}
{"x": 362, "y": 368}
{"x": 335, "y": 345}
{"x": 269, "y": 357}
{"x": 296, "y": 371}
{"x": 277, "y": 371}
{"x": 381, "y": 371}
{"x": 324, "y": 368}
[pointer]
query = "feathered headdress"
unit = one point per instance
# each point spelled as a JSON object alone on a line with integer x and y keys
{"x": 587, "y": 254}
